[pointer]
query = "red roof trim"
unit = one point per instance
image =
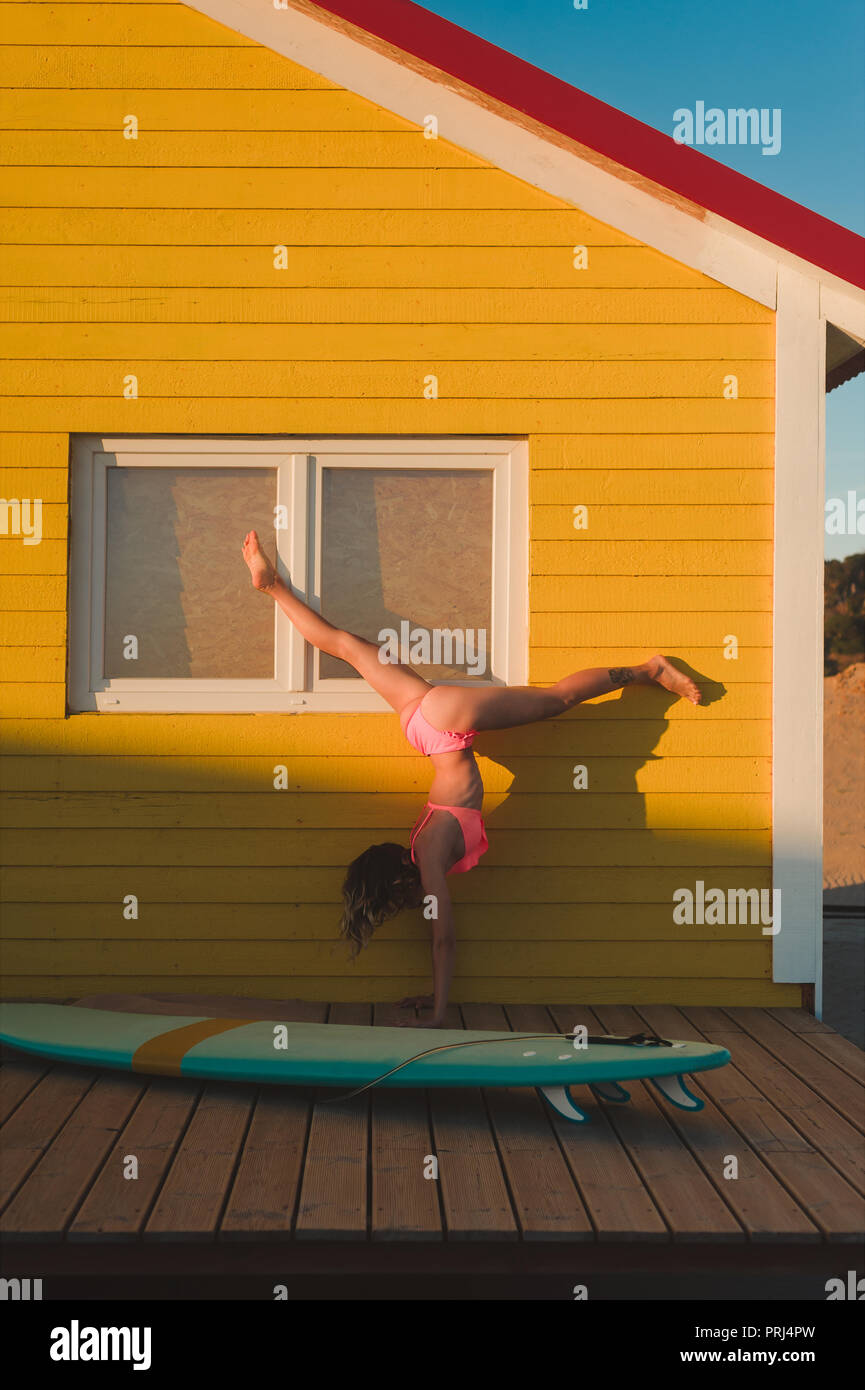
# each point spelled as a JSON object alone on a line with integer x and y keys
{"x": 610, "y": 132}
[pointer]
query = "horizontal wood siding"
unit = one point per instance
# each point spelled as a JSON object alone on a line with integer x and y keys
{"x": 406, "y": 257}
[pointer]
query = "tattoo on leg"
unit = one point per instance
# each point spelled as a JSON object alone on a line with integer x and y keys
{"x": 621, "y": 675}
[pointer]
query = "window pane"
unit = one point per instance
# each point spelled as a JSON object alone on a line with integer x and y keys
{"x": 410, "y": 546}
{"x": 175, "y": 576}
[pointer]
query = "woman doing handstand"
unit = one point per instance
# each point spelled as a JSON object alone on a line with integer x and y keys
{"x": 441, "y": 722}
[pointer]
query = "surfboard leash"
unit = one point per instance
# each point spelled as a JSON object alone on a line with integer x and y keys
{"x": 635, "y": 1040}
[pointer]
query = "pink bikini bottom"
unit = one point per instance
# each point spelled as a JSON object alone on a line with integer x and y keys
{"x": 427, "y": 740}
{"x": 474, "y": 836}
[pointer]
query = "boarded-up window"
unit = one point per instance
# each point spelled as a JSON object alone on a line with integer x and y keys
{"x": 410, "y": 551}
{"x": 175, "y": 577}
{"x": 419, "y": 545}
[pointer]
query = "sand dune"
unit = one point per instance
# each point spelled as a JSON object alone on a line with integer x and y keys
{"x": 844, "y": 777}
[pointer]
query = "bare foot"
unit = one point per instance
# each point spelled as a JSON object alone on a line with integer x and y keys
{"x": 666, "y": 674}
{"x": 262, "y": 571}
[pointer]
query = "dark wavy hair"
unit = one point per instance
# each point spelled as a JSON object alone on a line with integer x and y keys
{"x": 377, "y": 885}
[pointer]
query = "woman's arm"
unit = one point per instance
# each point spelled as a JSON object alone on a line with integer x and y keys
{"x": 444, "y": 945}
{"x": 443, "y": 949}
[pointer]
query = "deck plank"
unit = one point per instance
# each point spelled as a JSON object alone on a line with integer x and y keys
{"x": 19, "y": 1075}
{"x": 616, "y": 1198}
{"x": 264, "y": 1193}
{"x": 263, "y": 1196}
{"x": 405, "y": 1204}
{"x": 473, "y": 1190}
{"x": 474, "y": 1195}
{"x": 545, "y": 1198}
{"x": 758, "y": 1199}
{"x": 712, "y": 1019}
{"x": 115, "y": 1208}
{"x": 334, "y": 1190}
{"x": 191, "y": 1199}
{"x": 816, "y": 1120}
{"x": 841, "y": 1052}
{"x": 824, "y": 1040}
{"x": 687, "y": 1200}
{"x": 812, "y": 1172}
{"x": 819, "y": 1125}
{"x": 799, "y": 1021}
{"x": 828, "y": 1080}
{"x": 34, "y": 1125}
{"x": 44, "y": 1206}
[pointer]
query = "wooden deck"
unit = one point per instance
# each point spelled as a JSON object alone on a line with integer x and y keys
{"x": 269, "y": 1182}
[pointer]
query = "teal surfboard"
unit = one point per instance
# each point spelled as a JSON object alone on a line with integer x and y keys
{"x": 327, "y": 1054}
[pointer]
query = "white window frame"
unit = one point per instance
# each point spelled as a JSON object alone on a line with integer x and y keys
{"x": 295, "y": 685}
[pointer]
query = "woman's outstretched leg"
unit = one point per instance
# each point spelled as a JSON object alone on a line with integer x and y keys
{"x": 399, "y": 685}
{"x": 506, "y": 707}
{"x": 312, "y": 626}
{"x": 600, "y": 680}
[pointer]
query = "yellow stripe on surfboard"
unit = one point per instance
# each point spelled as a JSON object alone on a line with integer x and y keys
{"x": 163, "y": 1054}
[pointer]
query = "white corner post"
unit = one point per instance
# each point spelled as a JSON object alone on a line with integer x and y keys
{"x": 797, "y": 659}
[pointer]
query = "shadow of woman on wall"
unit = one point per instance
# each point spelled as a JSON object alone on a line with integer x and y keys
{"x": 576, "y": 861}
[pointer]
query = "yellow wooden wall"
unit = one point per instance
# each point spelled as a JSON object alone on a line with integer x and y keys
{"x": 407, "y": 257}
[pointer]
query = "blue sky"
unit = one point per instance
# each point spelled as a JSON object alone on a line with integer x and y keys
{"x": 650, "y": 59}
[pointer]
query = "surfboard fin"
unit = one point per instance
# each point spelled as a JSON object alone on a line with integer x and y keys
{"x": 561, "y": 1100}
{"x": 675, "y": 1091}
{"x": 610, "y": 1090}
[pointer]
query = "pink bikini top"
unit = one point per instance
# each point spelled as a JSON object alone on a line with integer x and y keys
{"x": 428, "y": 740}
{"x": 474, "y": 835}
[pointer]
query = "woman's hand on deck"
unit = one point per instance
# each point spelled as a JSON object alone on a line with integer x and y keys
{"x": 427, "y": 1018}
